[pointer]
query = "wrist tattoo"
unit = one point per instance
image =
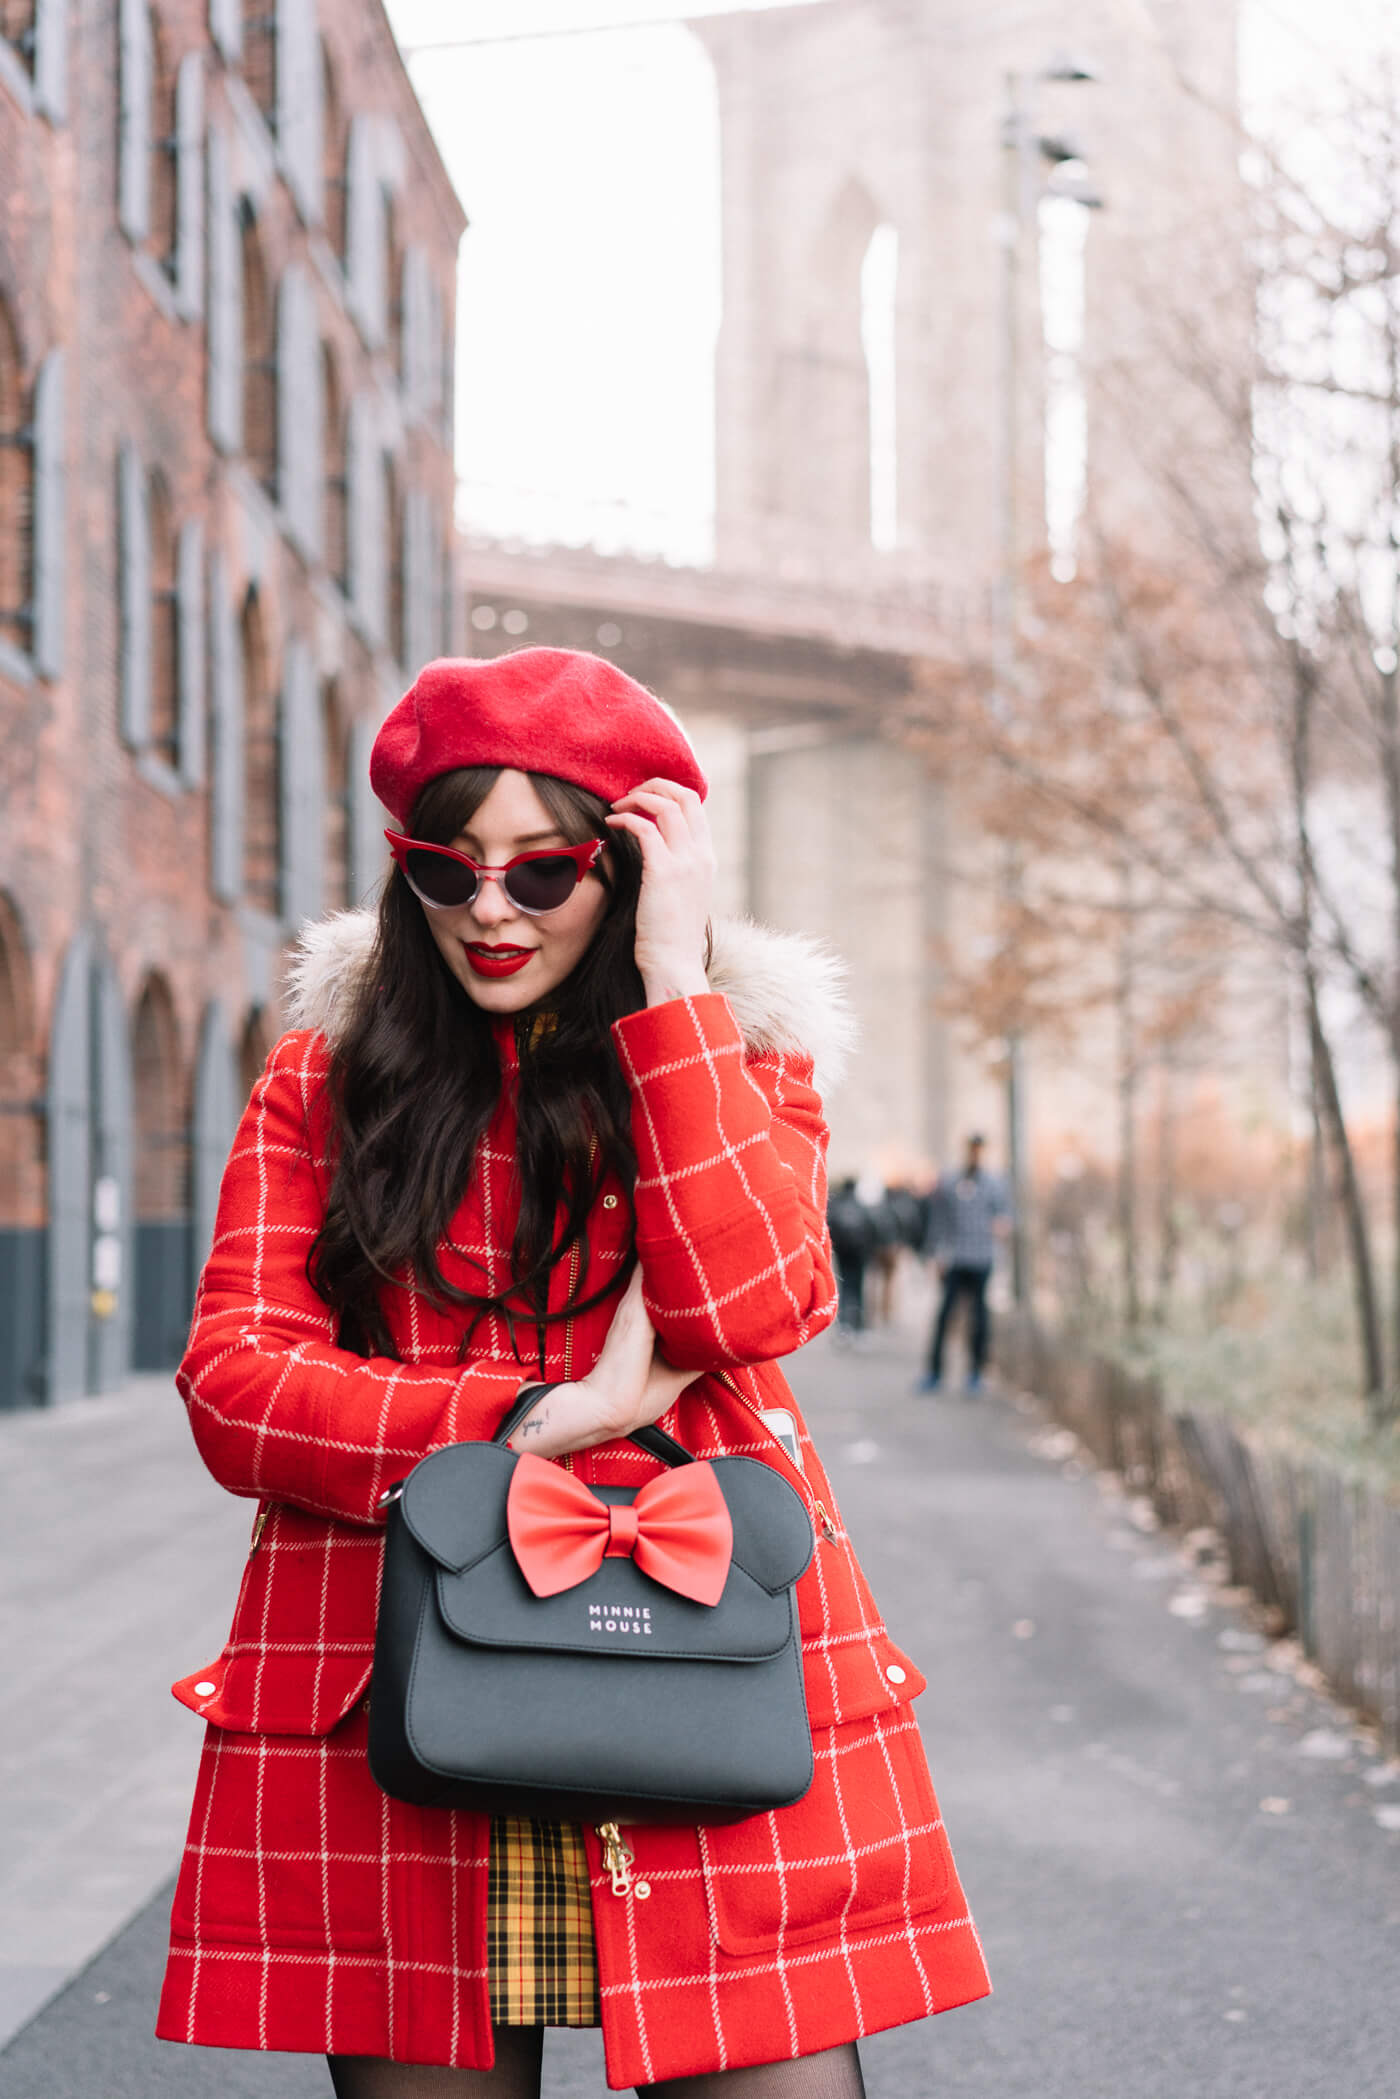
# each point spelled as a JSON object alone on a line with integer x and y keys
{"x": 537, "y": 1422}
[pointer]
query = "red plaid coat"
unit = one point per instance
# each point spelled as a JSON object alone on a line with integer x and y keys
{"x": 313, "y": 1912}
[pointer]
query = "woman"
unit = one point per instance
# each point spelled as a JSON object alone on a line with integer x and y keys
{"x": 520, "y": 1135}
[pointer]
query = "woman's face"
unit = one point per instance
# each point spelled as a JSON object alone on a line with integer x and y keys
{"x": 481, "y": 936}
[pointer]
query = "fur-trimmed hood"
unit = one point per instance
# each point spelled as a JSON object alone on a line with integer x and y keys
{"x": 786, "y": 989}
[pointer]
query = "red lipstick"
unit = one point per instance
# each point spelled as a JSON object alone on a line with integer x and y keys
{"x": 496, "y": 961}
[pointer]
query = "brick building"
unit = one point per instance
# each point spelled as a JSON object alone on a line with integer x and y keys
{"x": 227, "y": 288}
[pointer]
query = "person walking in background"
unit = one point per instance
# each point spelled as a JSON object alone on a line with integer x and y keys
{"x": 853, "y": 1240}
{"x": 969, "y": 1214}
{"x": 901, "y": 1222}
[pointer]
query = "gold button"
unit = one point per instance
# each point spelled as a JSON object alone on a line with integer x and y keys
{"x": 609, "y": 1202}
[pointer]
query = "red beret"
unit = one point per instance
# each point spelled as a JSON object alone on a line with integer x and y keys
{"x": 555, "y": 711}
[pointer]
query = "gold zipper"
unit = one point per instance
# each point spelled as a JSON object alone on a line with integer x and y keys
{"x": 618, "y": 1861}
{"x": 259, "y": 1527}
{"x": 819, "y": 1508}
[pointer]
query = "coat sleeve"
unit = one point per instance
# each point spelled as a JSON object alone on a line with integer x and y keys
{"x": 731, "y": 1187}
{"x": 277, "y": 1409}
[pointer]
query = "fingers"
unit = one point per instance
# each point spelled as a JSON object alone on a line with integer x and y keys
{"x": 668, "y": 819}
{"x": 683, "y": 798}
{"x": 677, "y": 812}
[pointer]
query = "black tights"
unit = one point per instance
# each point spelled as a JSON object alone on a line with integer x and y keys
{"x": 834, "y": 2074}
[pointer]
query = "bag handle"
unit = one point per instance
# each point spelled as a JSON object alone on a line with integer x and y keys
{"x": 649, "y": 1438}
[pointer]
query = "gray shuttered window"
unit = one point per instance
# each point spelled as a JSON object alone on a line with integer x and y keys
{"x": 432, "y": 352}
{"x": 417, "y": 355}
{"x": 226, "y": 27}
{"x": 224, "y": 337}
{"x": 366, "y": 521}
{"x": 447, "y": 387}
{"x": 368, "y": 854}
{"x": 303, "y": 786}
{"x": 364, "y": 233}
{"x": 299, "y": 115}
{"x": 299, "y": 409}
{"x": 226, "y": 738}
{"x": 134, "y": 562}
{"x": 421, "y": 567}
{"x": 112, "y": 1267}
{"x": 51, "y": 59}
{"x": 189, "y": 186}
{"x": 215, "y": 1121}
{"x": 134, "y": 119}
{"x": 190, "y": 643}
{"x": 50, "y": 468}
{"x": 70, "y": 1175}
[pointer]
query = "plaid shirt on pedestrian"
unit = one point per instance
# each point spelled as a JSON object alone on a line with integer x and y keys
{"x": 962, "y": 1224}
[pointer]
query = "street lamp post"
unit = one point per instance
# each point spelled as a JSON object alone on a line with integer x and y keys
{"x": 1023, "y": 150}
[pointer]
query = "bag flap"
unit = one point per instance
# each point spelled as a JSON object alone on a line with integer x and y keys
{"x": 618, "y": 1609}
{"x": 454, "y": 1503}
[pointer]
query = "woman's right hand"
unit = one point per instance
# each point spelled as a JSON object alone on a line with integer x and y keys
{"x": 628, "y": 1386}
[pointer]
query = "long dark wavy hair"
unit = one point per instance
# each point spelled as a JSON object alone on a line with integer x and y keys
{"x": 415, "y": 1079}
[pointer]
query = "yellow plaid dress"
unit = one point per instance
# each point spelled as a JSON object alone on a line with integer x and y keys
{"x": 539, "y": 1926}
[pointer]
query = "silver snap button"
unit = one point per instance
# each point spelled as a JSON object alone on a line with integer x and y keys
{"x": 202, "y": 1690}
{"x": 609, "y": 1202}
{"x": 895, "y": 1674}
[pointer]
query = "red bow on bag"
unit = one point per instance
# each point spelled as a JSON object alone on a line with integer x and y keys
{"x": 677, "y": 1530}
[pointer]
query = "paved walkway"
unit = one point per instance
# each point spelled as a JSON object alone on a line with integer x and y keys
{"x": 118, "y": 1566}
{"x": 1181, "y": 1861}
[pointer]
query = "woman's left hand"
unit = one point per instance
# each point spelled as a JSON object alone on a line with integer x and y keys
{"x": 678, "y": 874}
{"x": 629, "y": 1386}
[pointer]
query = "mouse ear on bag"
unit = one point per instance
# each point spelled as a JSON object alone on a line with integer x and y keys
{"x": 651, "y": 1634}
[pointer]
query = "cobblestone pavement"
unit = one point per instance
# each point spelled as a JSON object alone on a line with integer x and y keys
{"x": 1178, "y": 1857}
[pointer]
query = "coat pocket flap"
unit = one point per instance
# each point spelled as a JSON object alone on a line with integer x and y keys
{"x": 851, "y": 1678}
{"x": 277, "y": 1694}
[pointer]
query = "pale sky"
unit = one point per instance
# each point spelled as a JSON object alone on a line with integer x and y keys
{"x": 590, "y": 275}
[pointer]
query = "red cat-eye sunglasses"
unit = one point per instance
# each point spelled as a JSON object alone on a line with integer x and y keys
{"x": 535, "y": 883}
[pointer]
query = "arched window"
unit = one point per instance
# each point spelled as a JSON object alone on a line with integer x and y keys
{"x": 22, "y": 1175}
{"x": 160, "y": 1120}
{"x": 335, "y": 480}
{"x": 254, "y": 1048}
{"x": 260, "y": 56}
{"x": 20, "y": 1172}
{"x": 878, "y": 317}
{"x": 335, "y": 732}
{"x": 165, "y": 146}
{"x": 334, "y": 141}
{"x": 160, "y": 1192}
{"x": 259, "y": 356}
{"x": 16, "y": 493}
{"x": 164, "y": 717}
{"x": 262, "y": 782}
{"x": 823, "y": 406}
{"x": 394, "y": 535}
{"x": 18, "y": 19}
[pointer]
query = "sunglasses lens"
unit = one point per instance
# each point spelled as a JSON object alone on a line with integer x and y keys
{"x": 542, "y": 885}
{"x": 439, "y": 880}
